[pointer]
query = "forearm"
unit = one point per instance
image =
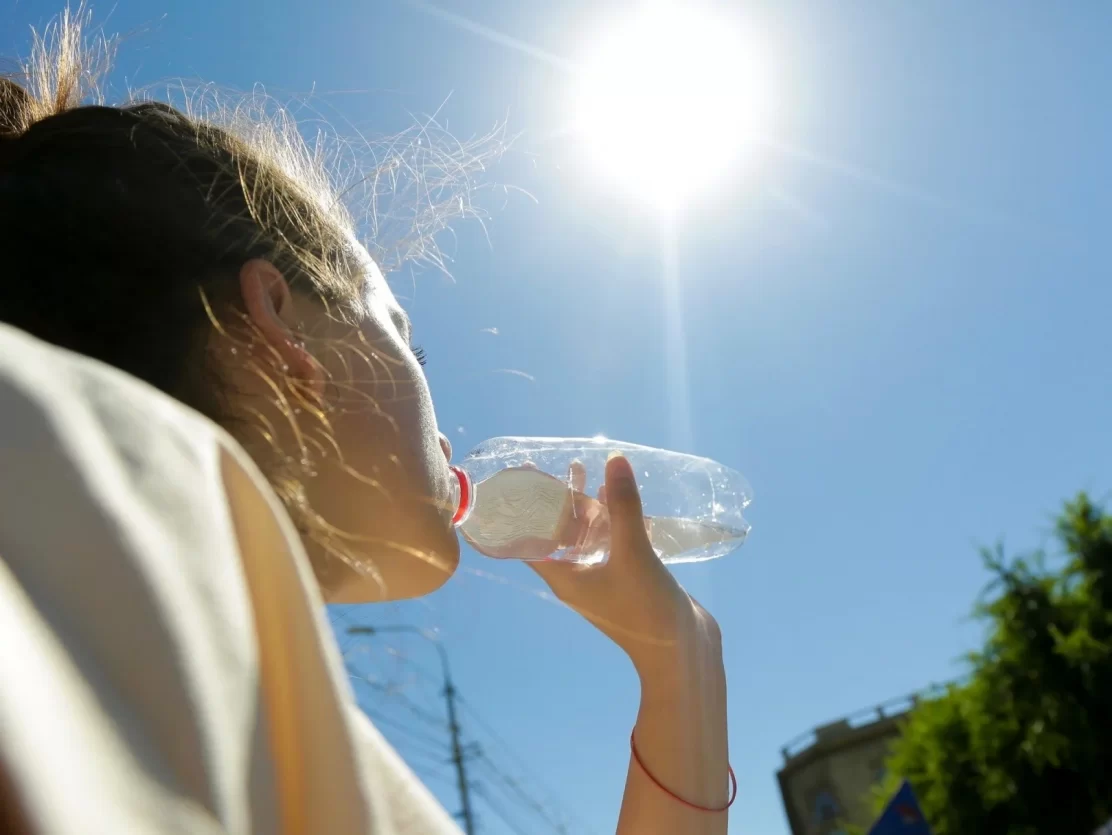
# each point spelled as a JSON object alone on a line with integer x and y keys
{"x": 681, "y": 737}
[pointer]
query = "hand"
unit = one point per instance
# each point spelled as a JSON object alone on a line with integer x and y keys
{"x": 680, "y": 732}
{"x": 632, "y": 597}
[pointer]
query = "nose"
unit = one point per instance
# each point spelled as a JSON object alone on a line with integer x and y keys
{"x": 446, "y": 446}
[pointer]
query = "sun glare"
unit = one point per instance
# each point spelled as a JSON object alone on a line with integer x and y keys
{"x": 666, "y": 100}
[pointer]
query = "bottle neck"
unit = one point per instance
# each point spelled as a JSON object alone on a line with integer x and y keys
{"x": 462, "y": 493}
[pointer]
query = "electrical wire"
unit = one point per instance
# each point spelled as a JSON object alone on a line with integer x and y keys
{"x": 522, "y": 767}
{"x": 395, "y": 654}
{"x": 396, "y": 694}
{"x": 517, "y": 794}
{"x": 553, "y": 814}
{"x": 437, "y": 748}
{"x": 479, "y": 792}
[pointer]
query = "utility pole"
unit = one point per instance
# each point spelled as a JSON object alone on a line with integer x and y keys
{"x": 459, "y": 759}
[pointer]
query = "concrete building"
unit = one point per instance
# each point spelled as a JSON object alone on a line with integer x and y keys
{"x": 829, "y": 771}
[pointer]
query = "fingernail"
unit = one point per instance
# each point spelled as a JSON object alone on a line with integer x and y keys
{"x": 619, "y": 467}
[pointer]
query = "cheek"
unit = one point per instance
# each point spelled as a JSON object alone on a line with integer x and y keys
{"x": 395, "y": 416}
{"x": 384, "y": 419}
{"x": 417, "y": 425}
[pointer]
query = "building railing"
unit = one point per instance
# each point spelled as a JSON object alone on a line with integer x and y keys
{"x": 859, "y": 719}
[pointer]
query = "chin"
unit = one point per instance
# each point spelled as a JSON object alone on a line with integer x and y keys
{"x": 402, "y": 575}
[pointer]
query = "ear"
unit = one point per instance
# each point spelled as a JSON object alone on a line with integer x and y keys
{"x": 270, "y": 307}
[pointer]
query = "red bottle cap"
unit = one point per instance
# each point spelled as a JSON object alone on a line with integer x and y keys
{"x": 466, "y": 492}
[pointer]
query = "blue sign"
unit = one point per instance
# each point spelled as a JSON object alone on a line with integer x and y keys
{"x": 902, "y": 815}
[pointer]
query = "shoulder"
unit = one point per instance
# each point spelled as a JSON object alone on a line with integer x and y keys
{"x": 62, "y": 411}
{"x": 95, "y": 462}
{"x": 139, "y": 599}
{"x": 121, "y": 584}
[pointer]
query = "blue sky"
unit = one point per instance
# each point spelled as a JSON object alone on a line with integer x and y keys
{"x": 896, "y": 325}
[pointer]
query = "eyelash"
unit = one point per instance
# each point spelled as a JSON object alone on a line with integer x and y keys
{"x": 419, "y": 352}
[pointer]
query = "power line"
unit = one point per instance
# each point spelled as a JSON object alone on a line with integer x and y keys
{"x": 410, "y": 732}
{"x": 459, "y": 757}
{"x": 436, "y": 748}
{"x": 494, "y": 807}
{"x": 395, "y": 655}
{"x": 347, "y": 612}
{"x": 524, "y": 768}
{"x": 415, "y": 755}
{"x": 443, "y": 776}
{"x": 385, "y": 667}
{"x": 517, "y": 794}
{"x": 422, "y": 672}
{"x": 433, "y": 765}
{"x": 405, "y": 701}
{"x": 552, "y": 813}
{"x": 335, "y": 622}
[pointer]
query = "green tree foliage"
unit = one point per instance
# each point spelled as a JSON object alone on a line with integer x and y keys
{"x": 1024, "y": 745}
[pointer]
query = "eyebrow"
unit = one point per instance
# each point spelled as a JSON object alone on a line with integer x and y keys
{"x": 407, "y": 323}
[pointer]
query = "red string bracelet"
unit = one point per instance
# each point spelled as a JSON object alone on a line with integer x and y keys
{"x": 676, "y": 797}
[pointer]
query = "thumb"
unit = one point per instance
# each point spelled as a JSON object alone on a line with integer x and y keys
{"x": 627, "y": 520}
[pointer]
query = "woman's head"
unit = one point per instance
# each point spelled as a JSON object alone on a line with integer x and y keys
{"x": 220, "y": 267}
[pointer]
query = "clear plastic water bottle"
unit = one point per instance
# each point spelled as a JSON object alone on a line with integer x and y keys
{"x": 541, "y": 499}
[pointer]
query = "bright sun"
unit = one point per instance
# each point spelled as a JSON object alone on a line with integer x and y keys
{"x": 668, "y": 100}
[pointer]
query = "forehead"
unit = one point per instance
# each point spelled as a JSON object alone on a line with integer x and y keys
{"x": 374, "y": 282}
{"x": 377, "y": 294}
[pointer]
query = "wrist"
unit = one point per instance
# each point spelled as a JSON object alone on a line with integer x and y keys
{"x": 694, "y": 656}
{"x": 683, "y": 695}
{"x": 681, "y": 735}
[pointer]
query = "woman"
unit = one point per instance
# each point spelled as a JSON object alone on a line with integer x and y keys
{"x": 212, "y": 419}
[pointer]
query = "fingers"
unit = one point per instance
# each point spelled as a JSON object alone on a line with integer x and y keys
{"x": 577, "y": 476}
{"x": 627, "y": 521}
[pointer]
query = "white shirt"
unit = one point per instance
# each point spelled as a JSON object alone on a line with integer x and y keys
{"x": 165, "y": 665}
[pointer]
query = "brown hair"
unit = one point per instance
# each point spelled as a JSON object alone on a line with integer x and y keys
{"x": 123, "y": 228}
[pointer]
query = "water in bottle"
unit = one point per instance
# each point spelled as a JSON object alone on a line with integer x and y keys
{"x": 543, "y": 498}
